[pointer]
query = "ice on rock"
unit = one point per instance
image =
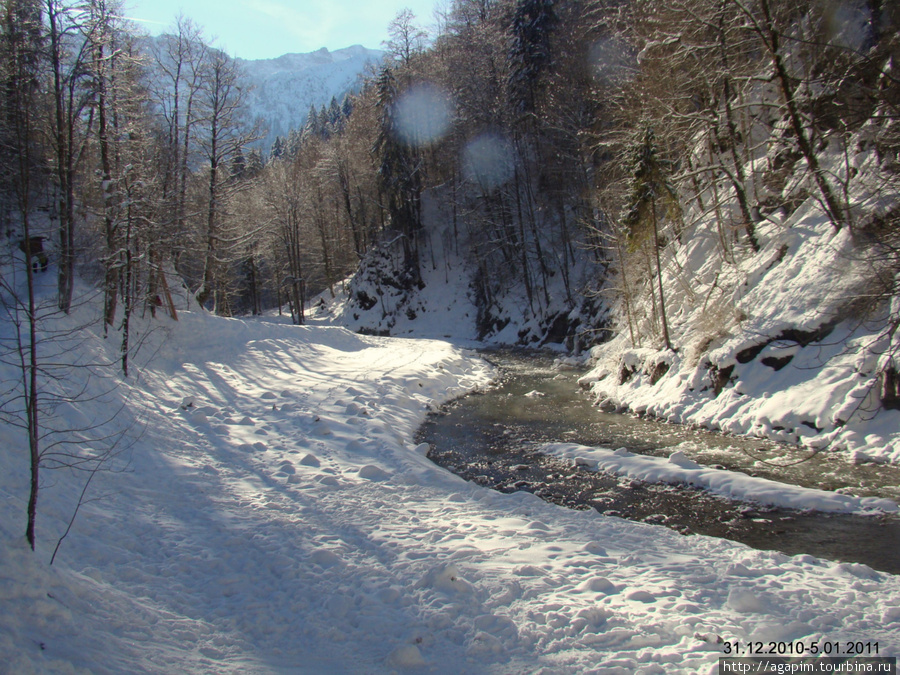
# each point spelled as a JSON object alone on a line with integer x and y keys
{"x": 598, "y": 585}
{"x": 678, "y": 458}
{"x": 447, "y": 580}
{"x": 372, "y": 472}
{"x": 595, "y": 548}
{"x": 746, "y": 602}
{"x": 310, "y": 460}
{"x": 321, "y": 428}
{"x": 529, "y": 571}
{"x": 484, "y": 644}
{"x": 406, "y": 656}
{"x": 890, "y": 615}
{"x": 497, "y": 625}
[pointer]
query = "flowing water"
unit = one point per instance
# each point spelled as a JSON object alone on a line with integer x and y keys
{"x": 493, "y": 438}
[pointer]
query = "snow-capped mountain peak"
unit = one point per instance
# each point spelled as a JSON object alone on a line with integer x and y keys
{"x": 285, "y": 87}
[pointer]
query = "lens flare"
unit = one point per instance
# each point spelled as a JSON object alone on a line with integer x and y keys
{"x": 423, "y": 115}
{"x": 489, "y": 160}
{"x": 611, "y": 61}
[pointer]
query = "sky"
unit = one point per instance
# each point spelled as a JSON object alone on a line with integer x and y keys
{"x": 262, "y": 29}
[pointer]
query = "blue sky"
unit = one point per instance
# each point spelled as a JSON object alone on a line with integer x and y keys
{"x": 259, "y": 29}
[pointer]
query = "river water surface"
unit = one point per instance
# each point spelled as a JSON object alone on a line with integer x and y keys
{"x": 493, "y": 437}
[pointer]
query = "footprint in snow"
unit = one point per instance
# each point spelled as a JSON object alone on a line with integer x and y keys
{"x": 640, "y": 596}
{"x": 324, "y": 558}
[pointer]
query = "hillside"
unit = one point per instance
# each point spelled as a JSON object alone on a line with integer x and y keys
{"x": 795, "y": 341}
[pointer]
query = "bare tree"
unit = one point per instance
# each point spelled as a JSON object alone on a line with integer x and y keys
{"x": 406, "y": 39}
{"x": 72, "y": 95}
{"x": 223, "y": 132}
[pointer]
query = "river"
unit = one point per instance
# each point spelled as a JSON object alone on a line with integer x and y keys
{"x": 493, "y": 437}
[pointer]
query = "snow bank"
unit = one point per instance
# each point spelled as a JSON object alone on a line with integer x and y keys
{"x": 678, "y": 469}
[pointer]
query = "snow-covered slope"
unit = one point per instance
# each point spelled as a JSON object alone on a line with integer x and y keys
{"x": 276, "y": 517}
{"x": 381, "y": 299}
{"x": 286, "y": 87}
{"x": 795, "y": 342}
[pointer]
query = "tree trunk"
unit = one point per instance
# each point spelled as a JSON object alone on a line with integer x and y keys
{"x": 833, "y": 208}
{"x": 662, "y": 297}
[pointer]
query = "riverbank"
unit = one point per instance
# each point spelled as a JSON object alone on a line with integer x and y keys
{"x": 776, "y": 344}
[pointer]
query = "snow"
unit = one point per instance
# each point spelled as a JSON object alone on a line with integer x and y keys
{"x": 798, "y": 361}
{"x": 678, "y": 469}
{"x": 276, "y": 516}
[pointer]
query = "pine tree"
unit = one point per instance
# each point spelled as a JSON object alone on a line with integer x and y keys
{"x": 653, "y": 199}
{"x": 277, "y": 148}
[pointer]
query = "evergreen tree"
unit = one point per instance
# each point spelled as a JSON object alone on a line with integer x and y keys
{"x": 277, "y": 148}
{"x": 652, "y": 200}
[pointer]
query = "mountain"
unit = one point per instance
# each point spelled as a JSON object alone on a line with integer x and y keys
{"x": 286, "y": 87}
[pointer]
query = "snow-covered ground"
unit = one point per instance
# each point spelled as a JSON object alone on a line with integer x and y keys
{"x": 277, "y": 517}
